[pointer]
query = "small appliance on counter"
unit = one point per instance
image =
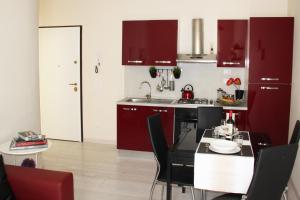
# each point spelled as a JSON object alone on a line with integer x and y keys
{"x": 187, "y": 92}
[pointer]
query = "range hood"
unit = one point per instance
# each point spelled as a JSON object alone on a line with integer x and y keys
{"x": 197, "y": 55}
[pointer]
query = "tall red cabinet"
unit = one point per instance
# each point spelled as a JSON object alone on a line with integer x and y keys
{"x": 270, "y": 72}
{"x": 149, "y": 42}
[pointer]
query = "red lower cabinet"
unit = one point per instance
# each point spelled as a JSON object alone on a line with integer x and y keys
{"x": 269, "y": 110}
{"x": 132, "y": 130}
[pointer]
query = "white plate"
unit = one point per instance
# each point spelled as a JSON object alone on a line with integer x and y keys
{"x": 236, "y": 150}
{"x": 223, "y": 145}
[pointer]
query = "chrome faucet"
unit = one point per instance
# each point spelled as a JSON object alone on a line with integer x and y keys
{"x": 148, "y": 96}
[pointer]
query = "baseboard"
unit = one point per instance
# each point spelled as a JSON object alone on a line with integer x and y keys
{"x": 136, "y": 154}
{"x": 99, "y": 141}
{"x": 292, "y": 191}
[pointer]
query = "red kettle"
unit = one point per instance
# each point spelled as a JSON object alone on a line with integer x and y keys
{"x": 187, "y": 92}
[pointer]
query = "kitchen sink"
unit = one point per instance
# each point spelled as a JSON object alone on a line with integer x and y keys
{"x": 144, "y": 100}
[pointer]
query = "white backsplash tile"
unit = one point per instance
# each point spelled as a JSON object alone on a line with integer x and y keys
{"x": 205, "y": 78}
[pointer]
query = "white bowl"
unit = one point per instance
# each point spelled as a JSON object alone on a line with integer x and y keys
{"x": 223, "y": 145}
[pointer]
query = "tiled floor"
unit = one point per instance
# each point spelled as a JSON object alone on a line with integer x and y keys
{"x": 102, "y": 172}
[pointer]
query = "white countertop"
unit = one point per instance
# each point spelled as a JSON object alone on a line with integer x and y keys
{"x": 174, "y": 104}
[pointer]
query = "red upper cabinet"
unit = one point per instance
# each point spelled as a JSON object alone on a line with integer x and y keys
{"x": 135, "y": 41}
{"x": 271, "y": 49}
{"x": 163, "y": 39}
{"x": 149, "y": 42}
{"x": 232, "y": 43}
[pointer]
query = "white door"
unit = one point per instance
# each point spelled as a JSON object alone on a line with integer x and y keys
{"x": 60, "y": 87}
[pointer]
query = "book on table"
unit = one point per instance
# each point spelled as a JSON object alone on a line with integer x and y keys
{"x": 28, "y": 140}
{"x": 30, "y": 135}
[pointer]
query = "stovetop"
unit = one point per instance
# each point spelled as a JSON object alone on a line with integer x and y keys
{"x": 204, "y": 101}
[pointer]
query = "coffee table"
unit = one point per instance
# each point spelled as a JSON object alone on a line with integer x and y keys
{"x": 4, "y": 149}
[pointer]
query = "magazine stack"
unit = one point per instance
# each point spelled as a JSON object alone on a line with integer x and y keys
{"x": 28, "y": 140}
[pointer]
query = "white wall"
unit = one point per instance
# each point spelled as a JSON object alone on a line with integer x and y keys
{"x": 102, "y": 26}
{"x": 19, "y": 107}
{"x": 205, "y": 79}
{"x": 295, "y": 102}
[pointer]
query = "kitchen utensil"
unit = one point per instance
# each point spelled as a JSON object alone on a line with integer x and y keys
{"x": 159, "y": 88}
{"x": 187, "y": 92}
{"x": 172, "y": 85}
{"x": 163, "y": 81}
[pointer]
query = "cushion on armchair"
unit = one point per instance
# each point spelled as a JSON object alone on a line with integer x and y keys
{"x": 40, "y": 184}
{"x": 6, "y": 192}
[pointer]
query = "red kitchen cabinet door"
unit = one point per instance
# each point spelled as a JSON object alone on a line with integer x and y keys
{"x": 132, "y": 128}
{"x": 271, "y": 49}
{"x": 167, "y": 119}
{"x": 269, "y": 110}
{"x": 135, "y": 43}
{"x": 232, "y": 43}
{"x": 163, "y": 42}
{"x": 149, "y": 42}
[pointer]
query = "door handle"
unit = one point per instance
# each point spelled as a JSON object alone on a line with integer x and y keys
{"x": 74, "y": 84}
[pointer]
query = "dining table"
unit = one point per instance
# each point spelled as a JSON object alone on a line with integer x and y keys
{"x": 213, "y": 171}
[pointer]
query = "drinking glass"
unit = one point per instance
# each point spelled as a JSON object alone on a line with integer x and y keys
{"x": 223, "y": 122}
{"x": 215, "y": 133}
{"x": 239, "y": 140}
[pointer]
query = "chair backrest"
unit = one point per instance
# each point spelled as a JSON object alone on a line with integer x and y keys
{"x": 158, "y": 140}
{"x": 207, "y": 118}
{"x": 296, "y": 133}
{"x": 272, "y": 172}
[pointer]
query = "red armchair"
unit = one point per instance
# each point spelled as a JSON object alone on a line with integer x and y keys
{"x": 37, "y": 184}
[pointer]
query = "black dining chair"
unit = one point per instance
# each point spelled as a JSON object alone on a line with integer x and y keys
{"x": 272, "y": 172}
{"x": 296, "y": 133}
{"x": 208, "y": 117}
{"x": 294, "y": 140}
{"x": 181, "y": 175}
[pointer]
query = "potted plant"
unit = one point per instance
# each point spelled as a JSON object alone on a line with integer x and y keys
{"x": 236, "y": 83}
{"x": 177, "y": 72}
{"x": 153, "y": 71}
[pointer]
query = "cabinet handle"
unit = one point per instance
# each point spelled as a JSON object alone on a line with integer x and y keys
{"x": 231, "y": 63}
{"x": 128, "y": 109}
{"x": 163, "y": 61}
{"x": 155, "y": 110}
{"x": 269, "y": 88}
{"x": 269, "y": 79}
{"x": 135, "y": 61}
{"x": 264, "y": 144}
